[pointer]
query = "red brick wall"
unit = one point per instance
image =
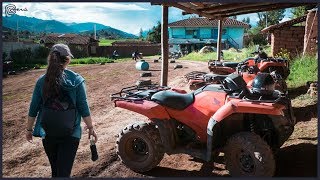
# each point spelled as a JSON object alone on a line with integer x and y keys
{"x": 126, "y": 51}
{"x": 289, "y": 38}
{"x": 311, "y": 34}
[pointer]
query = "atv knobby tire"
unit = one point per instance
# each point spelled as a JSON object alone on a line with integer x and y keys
{"x": 139, "y": 147}
{"x": 247, "y": 154}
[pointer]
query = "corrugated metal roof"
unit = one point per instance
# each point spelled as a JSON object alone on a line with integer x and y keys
{"x": 205, "y": 22}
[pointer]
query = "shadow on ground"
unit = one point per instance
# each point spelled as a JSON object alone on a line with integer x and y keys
{"x": 298, "y": 160}
{"x": 306, "y": 113}
{"x": 295, "y": 92}
{"x": 205, "y": 171}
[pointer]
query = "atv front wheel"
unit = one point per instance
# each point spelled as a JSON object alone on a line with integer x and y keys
{"x": 247, "y": 154}
{"x": 139, "y": 147}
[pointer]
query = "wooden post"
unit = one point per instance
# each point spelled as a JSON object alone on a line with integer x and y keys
{"x": 164, "y": 46}
{"x": 219, "y": 39}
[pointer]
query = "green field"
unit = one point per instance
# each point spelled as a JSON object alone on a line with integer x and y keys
{"x": 107, "y": 42}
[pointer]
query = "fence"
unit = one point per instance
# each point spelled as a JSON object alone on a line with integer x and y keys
{"x": 10, "y": 46}
{"x": 126, "y": 51}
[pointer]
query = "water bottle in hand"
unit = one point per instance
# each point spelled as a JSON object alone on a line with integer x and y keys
{"x": 93, "y": 148}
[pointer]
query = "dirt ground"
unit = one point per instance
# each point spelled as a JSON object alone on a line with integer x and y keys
{"x": 297, "y": 157}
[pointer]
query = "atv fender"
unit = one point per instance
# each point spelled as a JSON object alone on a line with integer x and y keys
{"x": 265, "y": 65}
{"x": 238, "y": 106}
{"x": 147, "y": 108}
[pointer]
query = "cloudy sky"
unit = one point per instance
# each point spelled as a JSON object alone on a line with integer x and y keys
{"x": 128, "y": 17}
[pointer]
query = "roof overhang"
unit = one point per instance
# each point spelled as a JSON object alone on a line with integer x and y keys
{"x": 284, "y": 24}
{"x": 214, "y": 10}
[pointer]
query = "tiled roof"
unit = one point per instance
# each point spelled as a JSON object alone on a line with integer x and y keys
{"x": 66, "y": 38}
{"x": 205, "y": 22}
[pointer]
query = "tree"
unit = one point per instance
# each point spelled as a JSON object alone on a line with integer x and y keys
{"x": 300, "y": 11}
{"x": 155, "y": 34}
{"x": 233, "y": 17}
{"x": 270, "y": 17}
{"x": 246, "y": 20}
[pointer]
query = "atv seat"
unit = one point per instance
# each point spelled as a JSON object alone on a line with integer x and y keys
{"x": 230, "y": 64}
{"x": 173, "y": 100}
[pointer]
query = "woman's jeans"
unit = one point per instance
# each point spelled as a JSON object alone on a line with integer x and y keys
{"x": 61, "y": 153}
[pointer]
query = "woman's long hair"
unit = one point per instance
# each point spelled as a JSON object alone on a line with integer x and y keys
{"x": 54, "y": 74}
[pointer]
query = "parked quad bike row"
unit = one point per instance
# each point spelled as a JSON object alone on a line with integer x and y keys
{"x": 234, "y": 114}
{"x": 248, "y": 69}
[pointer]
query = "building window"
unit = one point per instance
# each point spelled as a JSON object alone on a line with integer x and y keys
{"x": 192, "y": 32}
{"x": 215, "y": 33}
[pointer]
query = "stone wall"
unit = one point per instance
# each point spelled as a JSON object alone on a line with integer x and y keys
{"x": 288, "y": 38}
{"x": 126, "y": 51}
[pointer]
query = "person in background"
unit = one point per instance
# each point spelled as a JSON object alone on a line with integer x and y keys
{"x": 115, "y": 55}
{"x": 135, "y": 55}
{"x": 60, "y": 151}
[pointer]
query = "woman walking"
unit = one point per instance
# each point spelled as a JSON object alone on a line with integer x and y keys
{"x": 58, "y": 102}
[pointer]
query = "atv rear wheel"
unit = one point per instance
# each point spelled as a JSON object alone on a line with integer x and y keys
{"x": 247, "y": 154}
{"x": 139, "y": 147}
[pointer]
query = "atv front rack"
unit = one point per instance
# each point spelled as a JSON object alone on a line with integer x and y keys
{"x": 137, "y": 93}
{"x": 195, "y": 75}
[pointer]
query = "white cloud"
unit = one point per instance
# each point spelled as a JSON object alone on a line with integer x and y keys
{"x": 103, "y": 13}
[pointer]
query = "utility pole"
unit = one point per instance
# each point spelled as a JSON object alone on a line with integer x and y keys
{"x": 18, "y": 30}
{"x": 266, "y": 20}
{"x": 94, "y": 29}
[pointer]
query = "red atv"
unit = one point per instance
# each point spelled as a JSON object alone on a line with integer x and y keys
{"x": 247, "y": 125}
{"x": 261, "y": 61}
{"x": 247, "y": 69}
{"x": 262, "y": 65}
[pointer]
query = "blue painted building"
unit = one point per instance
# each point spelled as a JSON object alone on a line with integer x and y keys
{"x": 194, "y": 33}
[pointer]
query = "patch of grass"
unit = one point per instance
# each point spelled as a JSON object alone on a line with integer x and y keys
{"x": 302, "y": 70}
{"x": 151, "y": 57}
{"x": 229, "y": 55}
{"x": 91, "y": 60}
{"x": 304, "y": 100}
{"x": 195, "y": 56}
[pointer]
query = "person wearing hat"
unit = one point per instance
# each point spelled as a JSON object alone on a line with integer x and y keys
{"x": 60, "y": 151}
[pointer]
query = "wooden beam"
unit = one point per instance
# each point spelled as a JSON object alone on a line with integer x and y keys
{"x": 245, "y": 7}
{"x": 219, "y": 39}
{"x": 216, "y": 5}
{"x": 257, "y": 9}
{"x": 198, "y": 4}
{"x": 177, "y": 5}
{"x": 164, "y": 46}
{"x": 186, "y": 13}
{"x": 237, "y": 7}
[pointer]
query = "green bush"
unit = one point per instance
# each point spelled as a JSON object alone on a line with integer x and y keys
{"x": 40, "y": 52}
{"x": 78, "y": 52}
{"x": 4, "y": 56}
{"x": 21, "y": 56}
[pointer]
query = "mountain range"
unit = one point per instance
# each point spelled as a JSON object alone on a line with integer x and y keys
{"x": 52, "y": 26}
